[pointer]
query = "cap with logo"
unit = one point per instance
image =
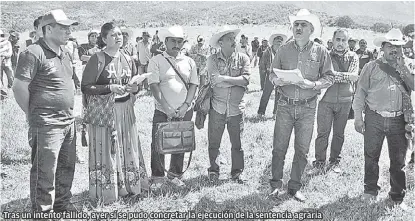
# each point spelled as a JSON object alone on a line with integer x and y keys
{"x": 57, "y": 16}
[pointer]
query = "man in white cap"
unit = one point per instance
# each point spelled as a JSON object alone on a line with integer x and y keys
{"x": 296, "y": 106}
{"x": 229, "y": 72}
{"x": 383, "y": 92}
{"x": 44, "y": 90}
{"x": 173, "y": 83}
{"x": 333, "y": 108}
{"x": 266, "y": 60}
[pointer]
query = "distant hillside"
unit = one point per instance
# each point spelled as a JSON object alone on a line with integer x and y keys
{"x": 20, "y": 15}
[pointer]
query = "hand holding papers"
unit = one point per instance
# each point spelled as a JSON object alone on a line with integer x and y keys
{"x": 292, "y": 76}
{"x": 139, "y": 78}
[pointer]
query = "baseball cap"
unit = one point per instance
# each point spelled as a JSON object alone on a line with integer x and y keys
{"x": 57, "y": 16}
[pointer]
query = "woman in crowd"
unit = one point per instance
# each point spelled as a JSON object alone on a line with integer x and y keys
{"x": 86, "y": 50}
{"x": 116, "y": 164}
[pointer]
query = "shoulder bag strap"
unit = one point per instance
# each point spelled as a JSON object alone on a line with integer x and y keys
{"x": 177, "y": 72}
{"x": 174, "y": 174}
{"x": 394, "y": 75}
{"x": 101, "y": 63}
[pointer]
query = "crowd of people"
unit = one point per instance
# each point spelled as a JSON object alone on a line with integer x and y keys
{"x": 336, "y": 79}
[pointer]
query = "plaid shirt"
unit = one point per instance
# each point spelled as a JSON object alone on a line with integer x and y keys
{"x": 348, "y": 58}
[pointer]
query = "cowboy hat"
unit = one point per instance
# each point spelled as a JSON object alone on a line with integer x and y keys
{"x": 225, "y": 30}
{"x": 129, "y": 32}
{"x": 172, "y": 32}
{"x": 305, "y": 15}
{"x": 284, "y": 37}
{"x": 394, "y": 36}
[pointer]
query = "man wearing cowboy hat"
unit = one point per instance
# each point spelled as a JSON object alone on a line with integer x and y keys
{"x": 128, "y": 47}
{"x": 333, "y": 108}
{"x": 44, "y": 90}
{"x": 276, "y": 40}
{"x": 296, "y": 106}
{"x": 262, "y": 70}
{"x": 144, "y": 55}
{"x": 383, "y": 93}
{"x": 171, "y": 97}
{"x": 228, "y": 71}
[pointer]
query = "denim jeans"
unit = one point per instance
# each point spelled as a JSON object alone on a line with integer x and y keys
{"x": 328, "y": 115}
{"x": 53, "y": 166}
{"x": 157, "y": 160}
{"x": 216, "y": 127}
{"x": 301, "y": 118}
{"x": 262, "y": 76}
{"x": 266, "y": 94}
{"x": 376, "y": 129}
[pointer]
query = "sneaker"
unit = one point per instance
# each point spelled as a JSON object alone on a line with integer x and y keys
{"x": 237, "y": 178}
{"x": 260, "y": 115}
{"x": 334, "y": 166}
{"x": 276, "y": 192}
{"x": 177, "y": 182}
{"x": 297, "y": 195}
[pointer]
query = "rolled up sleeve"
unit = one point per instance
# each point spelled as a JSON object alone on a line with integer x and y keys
{"x": 362, "y": 88}
{"x": 153, "y": 67}
{"x": 246, "y": 70}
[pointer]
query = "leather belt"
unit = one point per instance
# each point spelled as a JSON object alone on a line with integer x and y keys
{"x": 292, "y": 101}
{"x": 389, "y": 113}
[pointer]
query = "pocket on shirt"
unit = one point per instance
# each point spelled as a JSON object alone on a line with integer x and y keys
{"x": 312, "y": 69}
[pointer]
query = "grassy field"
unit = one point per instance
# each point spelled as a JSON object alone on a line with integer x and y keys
{"x": 336, "y": 196}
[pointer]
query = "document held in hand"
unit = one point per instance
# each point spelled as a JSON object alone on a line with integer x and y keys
{"x": 293, "y": 76}
{"x": 139, "y": 78}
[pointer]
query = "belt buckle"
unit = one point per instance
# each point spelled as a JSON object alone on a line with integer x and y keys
{"x": 295, "y": 101}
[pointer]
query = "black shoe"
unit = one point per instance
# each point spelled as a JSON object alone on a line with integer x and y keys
{"x": 213, "y": 176}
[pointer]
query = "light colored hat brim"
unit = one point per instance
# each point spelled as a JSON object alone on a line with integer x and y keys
{"x": 166, "y": 33}
{"x": 284, "y": 37}
{"x": 313, "y": 19}
{"x": 378, "y": 41}
{"x": 215, "y": 38}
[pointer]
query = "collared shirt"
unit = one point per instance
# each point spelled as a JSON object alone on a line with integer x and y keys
{"x": 313, "y": 61}
{"x": 266, "y": 59}
{"x": 376, "y": 89}
{"x": 229, "y": 101}
{"x": 244, "y": 49}
{"x": 200, "y": 60}
{"x": 364, "y": 57}
{"x": 171, "y": 86}
{"x": 51, "y": 85}
{"x": 88, "y": 50}
{"x": 144, "y": 54}
{"x": 344, "y": 65}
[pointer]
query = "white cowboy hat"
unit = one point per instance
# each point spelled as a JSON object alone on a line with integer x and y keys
{"x": 225, "y": 30}
{"x": 394, "y": 36}
{"x": 172, "y": 32}
{"x": 305, "y": 15}
{"x": 284, "y": 38}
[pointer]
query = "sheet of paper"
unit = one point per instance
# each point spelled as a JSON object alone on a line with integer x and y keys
{"x": 293, "y": 76}
{"x": 139, "y": 78}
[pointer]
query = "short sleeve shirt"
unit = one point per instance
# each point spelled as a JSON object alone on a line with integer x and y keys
{"x": 171, "y": 86}
{"x": 51, "y": 85}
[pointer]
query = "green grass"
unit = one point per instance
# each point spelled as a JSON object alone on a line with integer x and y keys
{"x": 337, "y": 196}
